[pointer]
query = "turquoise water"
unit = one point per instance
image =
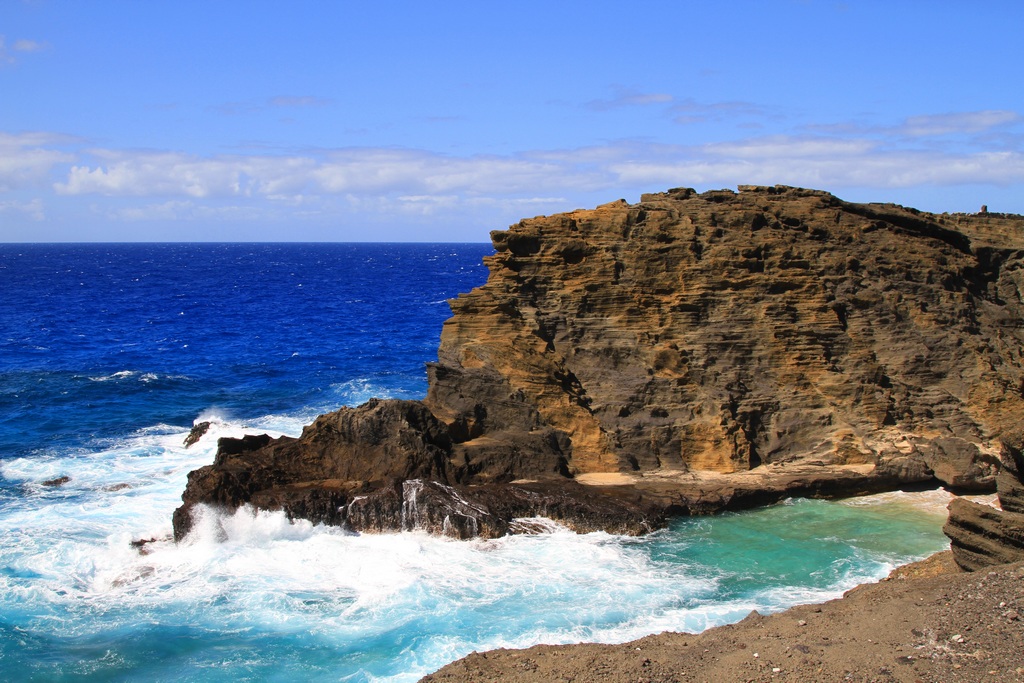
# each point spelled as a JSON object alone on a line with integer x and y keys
{"x": 804, "y": 549}
{"x": 108, "y": 353}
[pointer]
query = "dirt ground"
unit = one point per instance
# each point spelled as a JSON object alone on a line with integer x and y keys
{"x": 927, "y": 622}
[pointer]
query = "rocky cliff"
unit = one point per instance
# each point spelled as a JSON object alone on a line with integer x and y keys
{"x": 683, "y": 354}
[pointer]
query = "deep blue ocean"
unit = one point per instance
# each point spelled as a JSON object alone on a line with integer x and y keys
{"x": 109, "y": 354}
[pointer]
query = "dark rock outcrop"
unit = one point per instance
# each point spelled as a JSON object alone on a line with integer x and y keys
{"x": 387, "y": 465}
{"x": 983, "y": 536}
{"x": 688, "y": 353}
{"x": 196, "y": 433}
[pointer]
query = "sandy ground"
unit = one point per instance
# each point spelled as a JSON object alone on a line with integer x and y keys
{"x": 762, "y": 476}
{"x": 927, "y": 622}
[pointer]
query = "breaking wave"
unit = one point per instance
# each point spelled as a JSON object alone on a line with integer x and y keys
{"x": 304, "y": 601}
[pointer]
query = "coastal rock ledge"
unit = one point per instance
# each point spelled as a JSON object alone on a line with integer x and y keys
{"x": 682, "y": 355}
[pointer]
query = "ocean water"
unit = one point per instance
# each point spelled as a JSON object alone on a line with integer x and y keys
{"x": 108, "y": 355}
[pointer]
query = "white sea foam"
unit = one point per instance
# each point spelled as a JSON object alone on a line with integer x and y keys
{"x": 933, "y": 502}
{"x": 359, "y": 390}
{"x": 407, "y": 602}
{"x": 144, "y": 377}
{"x": 122, "y": 374}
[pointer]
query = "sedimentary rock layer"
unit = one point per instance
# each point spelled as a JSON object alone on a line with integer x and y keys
{"x": 983, "y": 536}
{"x": 687, "y": 353}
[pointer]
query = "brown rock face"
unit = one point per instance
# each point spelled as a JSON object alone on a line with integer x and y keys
{"x": 697, "y": 350}
{"x": 983, "y": 536}
{"x": 724, "y": 331}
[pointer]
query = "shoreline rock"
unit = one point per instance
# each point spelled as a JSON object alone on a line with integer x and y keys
{"x": 702, "y": 351}
{"x": 196, "y": 433}
{"x": 982, "y": 536}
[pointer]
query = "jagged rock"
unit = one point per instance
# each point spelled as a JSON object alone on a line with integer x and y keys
{"x": 981, "y": 535}
{"x": 699, "y": 352}
{"x": 1009, "y": 482}
{"x": 140, "y": 545}
{"x": 332, "y": 458}
{"x": 196, "y": 433}
{"x": 494, "y": 510}
{"x": 488, "y": 510}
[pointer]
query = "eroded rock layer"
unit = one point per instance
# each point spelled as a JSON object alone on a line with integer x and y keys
{"x": 687, "y": 353}
{"x": 982, "y": 535}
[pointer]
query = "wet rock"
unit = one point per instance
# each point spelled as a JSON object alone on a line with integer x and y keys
{"x": 57, "y": 482}
{"x": 487, "y": 510}
{"x": 314, "y": 474}
{"x": 140, "y": 545}
{"x": 196, "y": 433}
{"x": 494, "y": 510}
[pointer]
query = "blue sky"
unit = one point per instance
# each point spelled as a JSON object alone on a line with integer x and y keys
{"x": 413, "y": 121}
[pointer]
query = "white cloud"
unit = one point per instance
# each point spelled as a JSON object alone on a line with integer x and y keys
{"x": 378, "y": 183}
{"x": 33, "y": 209}
{"x": 684, "y": 111}
{"x": 436, "y": 204}
{"x": 21, "y": 45}
{"x": 928, "y": 125}
{"x": 628, "y": 97}
{"x": 419, "y": 172}
{"x": 26, "y": 159}
{"x": 376, "y": 206}
{"x": 962, "y": 122}
{"x": 277, "y": 102}
{"x": 690, "y": 110}
{"x": 300, "y": 101}
{"x": 821, "y": 163}
{"x": 782, "y": 146}
{"x": 34, "y": 139}
{"x": 176, "y": 174}
{"x": 28, "y": 46}
{"x": 430, "y": 181}
{"x": 374, "y": 171}
{"x": 190, "y": 211}
{"x": 171, "y": 210}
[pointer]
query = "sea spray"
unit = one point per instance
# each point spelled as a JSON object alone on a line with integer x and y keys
{"x": 294, "y": 599}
